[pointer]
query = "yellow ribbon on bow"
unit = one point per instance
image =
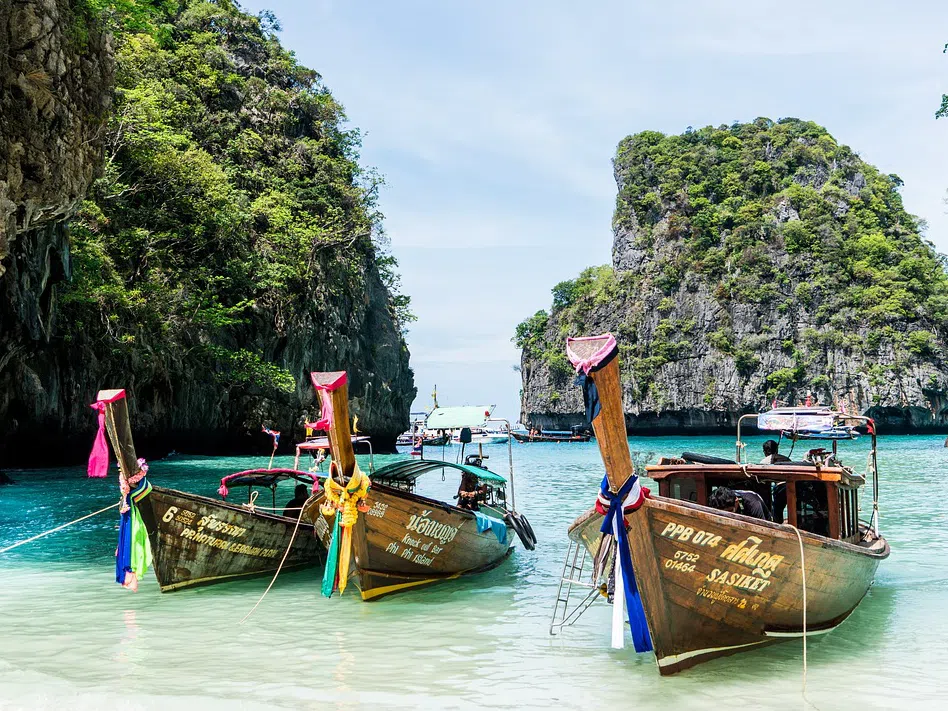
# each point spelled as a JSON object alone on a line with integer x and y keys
{"x": 347, "y": 500}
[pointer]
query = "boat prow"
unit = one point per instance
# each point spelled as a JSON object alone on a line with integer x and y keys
{"x": 707, "y": 582}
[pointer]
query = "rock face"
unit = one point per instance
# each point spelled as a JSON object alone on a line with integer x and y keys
{"x": 56, "y": 92}
{"x": 192, "y": 387}
{"x": 752, "y": 263}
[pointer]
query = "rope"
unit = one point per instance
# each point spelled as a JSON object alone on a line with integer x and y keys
{"x": 803, "y": 573}
{"x": 58, "y": 528}
{"x": 280, "y": 567}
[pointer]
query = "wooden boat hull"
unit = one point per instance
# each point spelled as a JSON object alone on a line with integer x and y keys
{"x": 714, "y": 583}
{"x": 406, "y": 540}
{"x": 196, "y": 540}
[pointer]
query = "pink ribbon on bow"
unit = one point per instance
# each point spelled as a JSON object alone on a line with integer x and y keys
{"x": 587, "y": 364}
{"x": 325, "y": 415}
{"x": 99, "y": 456}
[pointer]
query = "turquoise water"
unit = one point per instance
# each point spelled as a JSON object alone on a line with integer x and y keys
{"x": 71, "y": 638}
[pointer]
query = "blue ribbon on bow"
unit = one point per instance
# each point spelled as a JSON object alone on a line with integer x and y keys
{"x": 590, "y": 397}
{"x": 633, "y": 601}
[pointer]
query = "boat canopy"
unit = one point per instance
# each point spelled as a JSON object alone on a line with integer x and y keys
{"x": 267, "y": 478}
{"x": 401, "y": 472}
{"x": 451, "y": 418}
{"x": 807, "y": 423}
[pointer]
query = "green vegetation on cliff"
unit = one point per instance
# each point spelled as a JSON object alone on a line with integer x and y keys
{"x": 742, "y": 190}
{"x": 758, "y": 249}
{"x": 231, "y": 195}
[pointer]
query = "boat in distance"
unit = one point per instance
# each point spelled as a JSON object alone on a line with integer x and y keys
{"x": 577, "y": 434}
{"x": 707, "y": 582}
{"x": 197, "y": 540}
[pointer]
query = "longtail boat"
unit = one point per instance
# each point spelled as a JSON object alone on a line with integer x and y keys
{"x": 388, "y": 538}
{"x": 527, "y": 437}
{"x": 196, "y": 540}
{"x": 702, "y": 582}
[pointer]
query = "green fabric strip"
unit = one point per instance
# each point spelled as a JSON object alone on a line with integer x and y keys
{"x": 141, "y": 547}
{"x": 332, "y": 558}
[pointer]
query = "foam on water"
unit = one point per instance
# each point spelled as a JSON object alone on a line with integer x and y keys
{"x": 71, "y": 638}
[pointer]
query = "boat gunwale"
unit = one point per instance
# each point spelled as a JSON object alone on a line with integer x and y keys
{"x": 705, "y": 512}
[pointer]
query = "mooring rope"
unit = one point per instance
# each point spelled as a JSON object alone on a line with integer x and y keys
{"x": 803, "y": 573}
{"x": 58, "y": 528}
{"x": 279, "y": 567}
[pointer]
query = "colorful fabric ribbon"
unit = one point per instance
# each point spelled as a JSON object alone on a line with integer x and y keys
{"x": 345, "y": 502}
{"x": 133, "y": 554}
{"x": 627, "y": 499}
{"x": 584, "y": 365}
{"x": 326, "y": 412}
{"x": 99, "y": 456}
{"x": 590, "y": 397}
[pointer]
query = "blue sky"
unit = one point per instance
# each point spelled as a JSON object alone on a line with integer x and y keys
{"x": 494, "y": 124}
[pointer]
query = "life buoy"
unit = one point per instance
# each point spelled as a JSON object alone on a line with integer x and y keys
{"x": 522, "y": 527}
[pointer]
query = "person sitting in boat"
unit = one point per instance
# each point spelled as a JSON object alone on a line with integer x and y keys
{"x": 749, "y": 503}
{"x": 771, "y": 456}
{"x": 300, "y": 496}
{"x": 469, "y": 493}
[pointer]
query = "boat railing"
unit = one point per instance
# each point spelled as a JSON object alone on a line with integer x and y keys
{"x": 510, "y": 477}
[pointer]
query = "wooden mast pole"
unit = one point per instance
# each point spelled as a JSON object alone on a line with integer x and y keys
{"x": 119, "y": 430}
{"x": 609, "y": 424}
{"x": 340, "y": 438}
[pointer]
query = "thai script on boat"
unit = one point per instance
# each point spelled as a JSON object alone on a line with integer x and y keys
{"x": 218, "y": 526}
{"x": 225, "y": 545}
{"x": 716, "y": 596}
{"x": 378, "y": 510}
{"x": 680, "y": 532}
{"x": 746, "y": 554}
{"x": 441, "y": 532}
{"x": 212, "y": 522}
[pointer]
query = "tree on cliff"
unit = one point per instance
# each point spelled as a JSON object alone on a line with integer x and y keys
{"x": 231, "y": 193}
{"x": 751, "y": 262}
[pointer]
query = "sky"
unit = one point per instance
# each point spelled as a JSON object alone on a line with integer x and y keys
{"x": 494, "y": 124}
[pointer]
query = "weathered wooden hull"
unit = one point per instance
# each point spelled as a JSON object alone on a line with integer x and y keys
{"x": 405, "y": 540}
{"x": 714, "y": 584}
{"x": 196, "y": 540}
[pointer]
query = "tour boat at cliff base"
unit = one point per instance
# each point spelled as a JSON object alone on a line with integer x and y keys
{"x": 386, "y": 537}
{"x": 190, "y": 539}
{"x": 701, "y": 582}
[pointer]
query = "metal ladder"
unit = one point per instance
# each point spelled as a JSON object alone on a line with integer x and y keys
{"x": 572, "y": 575}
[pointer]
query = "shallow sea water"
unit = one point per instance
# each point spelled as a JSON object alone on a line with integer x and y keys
{"x": 71, "y": 638}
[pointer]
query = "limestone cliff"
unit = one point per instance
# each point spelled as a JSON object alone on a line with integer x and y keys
{"x": 752, "y": 262}
{"x": 182, "y": 214}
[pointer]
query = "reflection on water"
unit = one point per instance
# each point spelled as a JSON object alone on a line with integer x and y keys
{"x": 72, "y": 638}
